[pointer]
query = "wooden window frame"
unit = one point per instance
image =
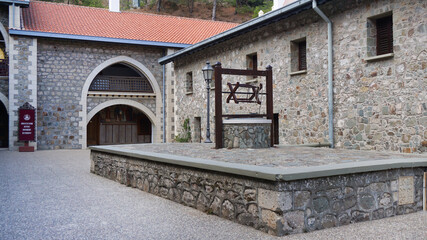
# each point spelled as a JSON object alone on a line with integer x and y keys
{"x": 252, "y": 59}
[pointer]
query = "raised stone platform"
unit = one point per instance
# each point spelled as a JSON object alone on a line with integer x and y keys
{"x": 281, "y": 190}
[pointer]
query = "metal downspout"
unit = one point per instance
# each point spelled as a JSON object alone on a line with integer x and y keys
{"x": 330, "y": 74}
{"x": 163, "y": 99}
{"x": 13, "y": 16}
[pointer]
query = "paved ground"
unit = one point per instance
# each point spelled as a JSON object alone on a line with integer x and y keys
{"x": 52, "y": 195}
{"x": 283, "y": 157}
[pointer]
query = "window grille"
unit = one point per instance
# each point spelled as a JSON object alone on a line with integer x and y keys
{"x": 384, "y": 35}
{"x": 121, "y": 84}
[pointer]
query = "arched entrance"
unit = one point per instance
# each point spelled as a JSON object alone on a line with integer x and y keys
{"x": 119, "y": 124}
{"x": 102, "y": 82}
{"x": 4, "y": 126}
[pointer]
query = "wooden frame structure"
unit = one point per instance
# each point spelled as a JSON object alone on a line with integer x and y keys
{"x": 219, "y": 71}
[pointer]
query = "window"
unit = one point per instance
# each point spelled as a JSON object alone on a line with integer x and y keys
{"x": 298, "y": 56}
{"x": 380, "y": 35}
{"x": 252, "y": 61}
{"x": 189, "y": 83}
{"x": 251, "y": 64}
{"x": 384, "y": 35}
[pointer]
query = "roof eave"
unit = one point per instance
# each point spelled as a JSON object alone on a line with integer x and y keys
{"x": 266, "y": 19}
{"x": 95, "y": 38}
{"x": 22, "y": 3}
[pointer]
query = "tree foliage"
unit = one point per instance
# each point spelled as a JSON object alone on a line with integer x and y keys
{"x": 241, "y": 6}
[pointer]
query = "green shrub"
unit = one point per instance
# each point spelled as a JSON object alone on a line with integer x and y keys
{"x": 266, "y": 7}
{"x": 185, "y": 135}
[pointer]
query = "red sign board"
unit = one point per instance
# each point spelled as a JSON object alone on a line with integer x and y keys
{"x": 26, "y": 125}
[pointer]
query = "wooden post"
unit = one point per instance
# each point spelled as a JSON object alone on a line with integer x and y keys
{"x": 218, "y": 105}
{"x": 269, "y": 89}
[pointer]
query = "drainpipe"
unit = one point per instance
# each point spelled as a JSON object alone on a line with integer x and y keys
{"x": 330, "y": 74}
{"x": 163, "y": 98}
{"x": 13, "y": 16}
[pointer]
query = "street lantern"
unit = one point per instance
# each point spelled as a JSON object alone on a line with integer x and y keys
{"x": 207, "y": 74}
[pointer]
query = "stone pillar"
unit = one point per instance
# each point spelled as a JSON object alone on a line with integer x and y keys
{"x": 22, "y": 82}
{"x": 170, "y": 99}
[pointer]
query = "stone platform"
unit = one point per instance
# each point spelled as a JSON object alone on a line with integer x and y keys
{"x": 280, "y": 190}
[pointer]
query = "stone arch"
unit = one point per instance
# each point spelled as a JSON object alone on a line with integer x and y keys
{"x": 4, "y": 100}
{"x": 127, "y": 102}
{"x": 139, "y": 67}
{"x": 5, "y": 35}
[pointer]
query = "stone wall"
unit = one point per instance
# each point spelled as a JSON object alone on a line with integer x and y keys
{"x": 276, "y": 207}
{"x": 230, "y": 197}
{"x": 149, "y": 102}
{"x": 379, "y": 105}
{"x": 63, "y": 67}
{"x": 244, "y": 135}
{"x": 313, "y": 204}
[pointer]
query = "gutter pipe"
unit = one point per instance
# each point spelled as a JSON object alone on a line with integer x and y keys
{"x": 330, "y": 74}
{"x": 163, "y": 98}
{"x": 13, "y": 15}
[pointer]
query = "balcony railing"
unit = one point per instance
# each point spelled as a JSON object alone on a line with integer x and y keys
{"x": 121, "y": 84}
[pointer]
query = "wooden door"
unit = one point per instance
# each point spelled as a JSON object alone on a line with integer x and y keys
{"x": 117, "y": 133}
{"x": 93, "y": 131}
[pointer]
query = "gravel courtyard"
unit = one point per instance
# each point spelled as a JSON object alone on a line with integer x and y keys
{"x": 52, "y": 195}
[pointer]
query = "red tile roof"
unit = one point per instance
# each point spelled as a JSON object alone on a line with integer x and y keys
{"x": 99, "y": 22}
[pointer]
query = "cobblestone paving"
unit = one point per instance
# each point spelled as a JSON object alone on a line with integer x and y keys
{"x": 279, "y": 157}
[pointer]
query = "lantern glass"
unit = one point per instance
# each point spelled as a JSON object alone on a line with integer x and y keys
{"x": 207, "y": 72}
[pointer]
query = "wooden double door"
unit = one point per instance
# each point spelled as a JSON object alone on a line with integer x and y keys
{"x": 113, "y": 133}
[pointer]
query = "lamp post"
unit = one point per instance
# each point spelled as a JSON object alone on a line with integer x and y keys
{"x": 207, "y": 74}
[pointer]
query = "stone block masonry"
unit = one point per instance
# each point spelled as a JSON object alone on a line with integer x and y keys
{"x": 22, "y": 82}
{"x": 278, "y": 207}
{"x": 379, "y": 105}
{"x": 246, "y": 135}
{"x": 62, "y": 69}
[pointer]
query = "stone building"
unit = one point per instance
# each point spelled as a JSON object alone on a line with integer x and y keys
{"x": 373, "y": 98}
{"x": 91, "y": 73}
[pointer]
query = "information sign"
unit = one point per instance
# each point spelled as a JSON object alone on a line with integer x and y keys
{"x": 26, "y": 125}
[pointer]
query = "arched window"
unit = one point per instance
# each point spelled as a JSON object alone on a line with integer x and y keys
{"x": 121, "y": 78}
